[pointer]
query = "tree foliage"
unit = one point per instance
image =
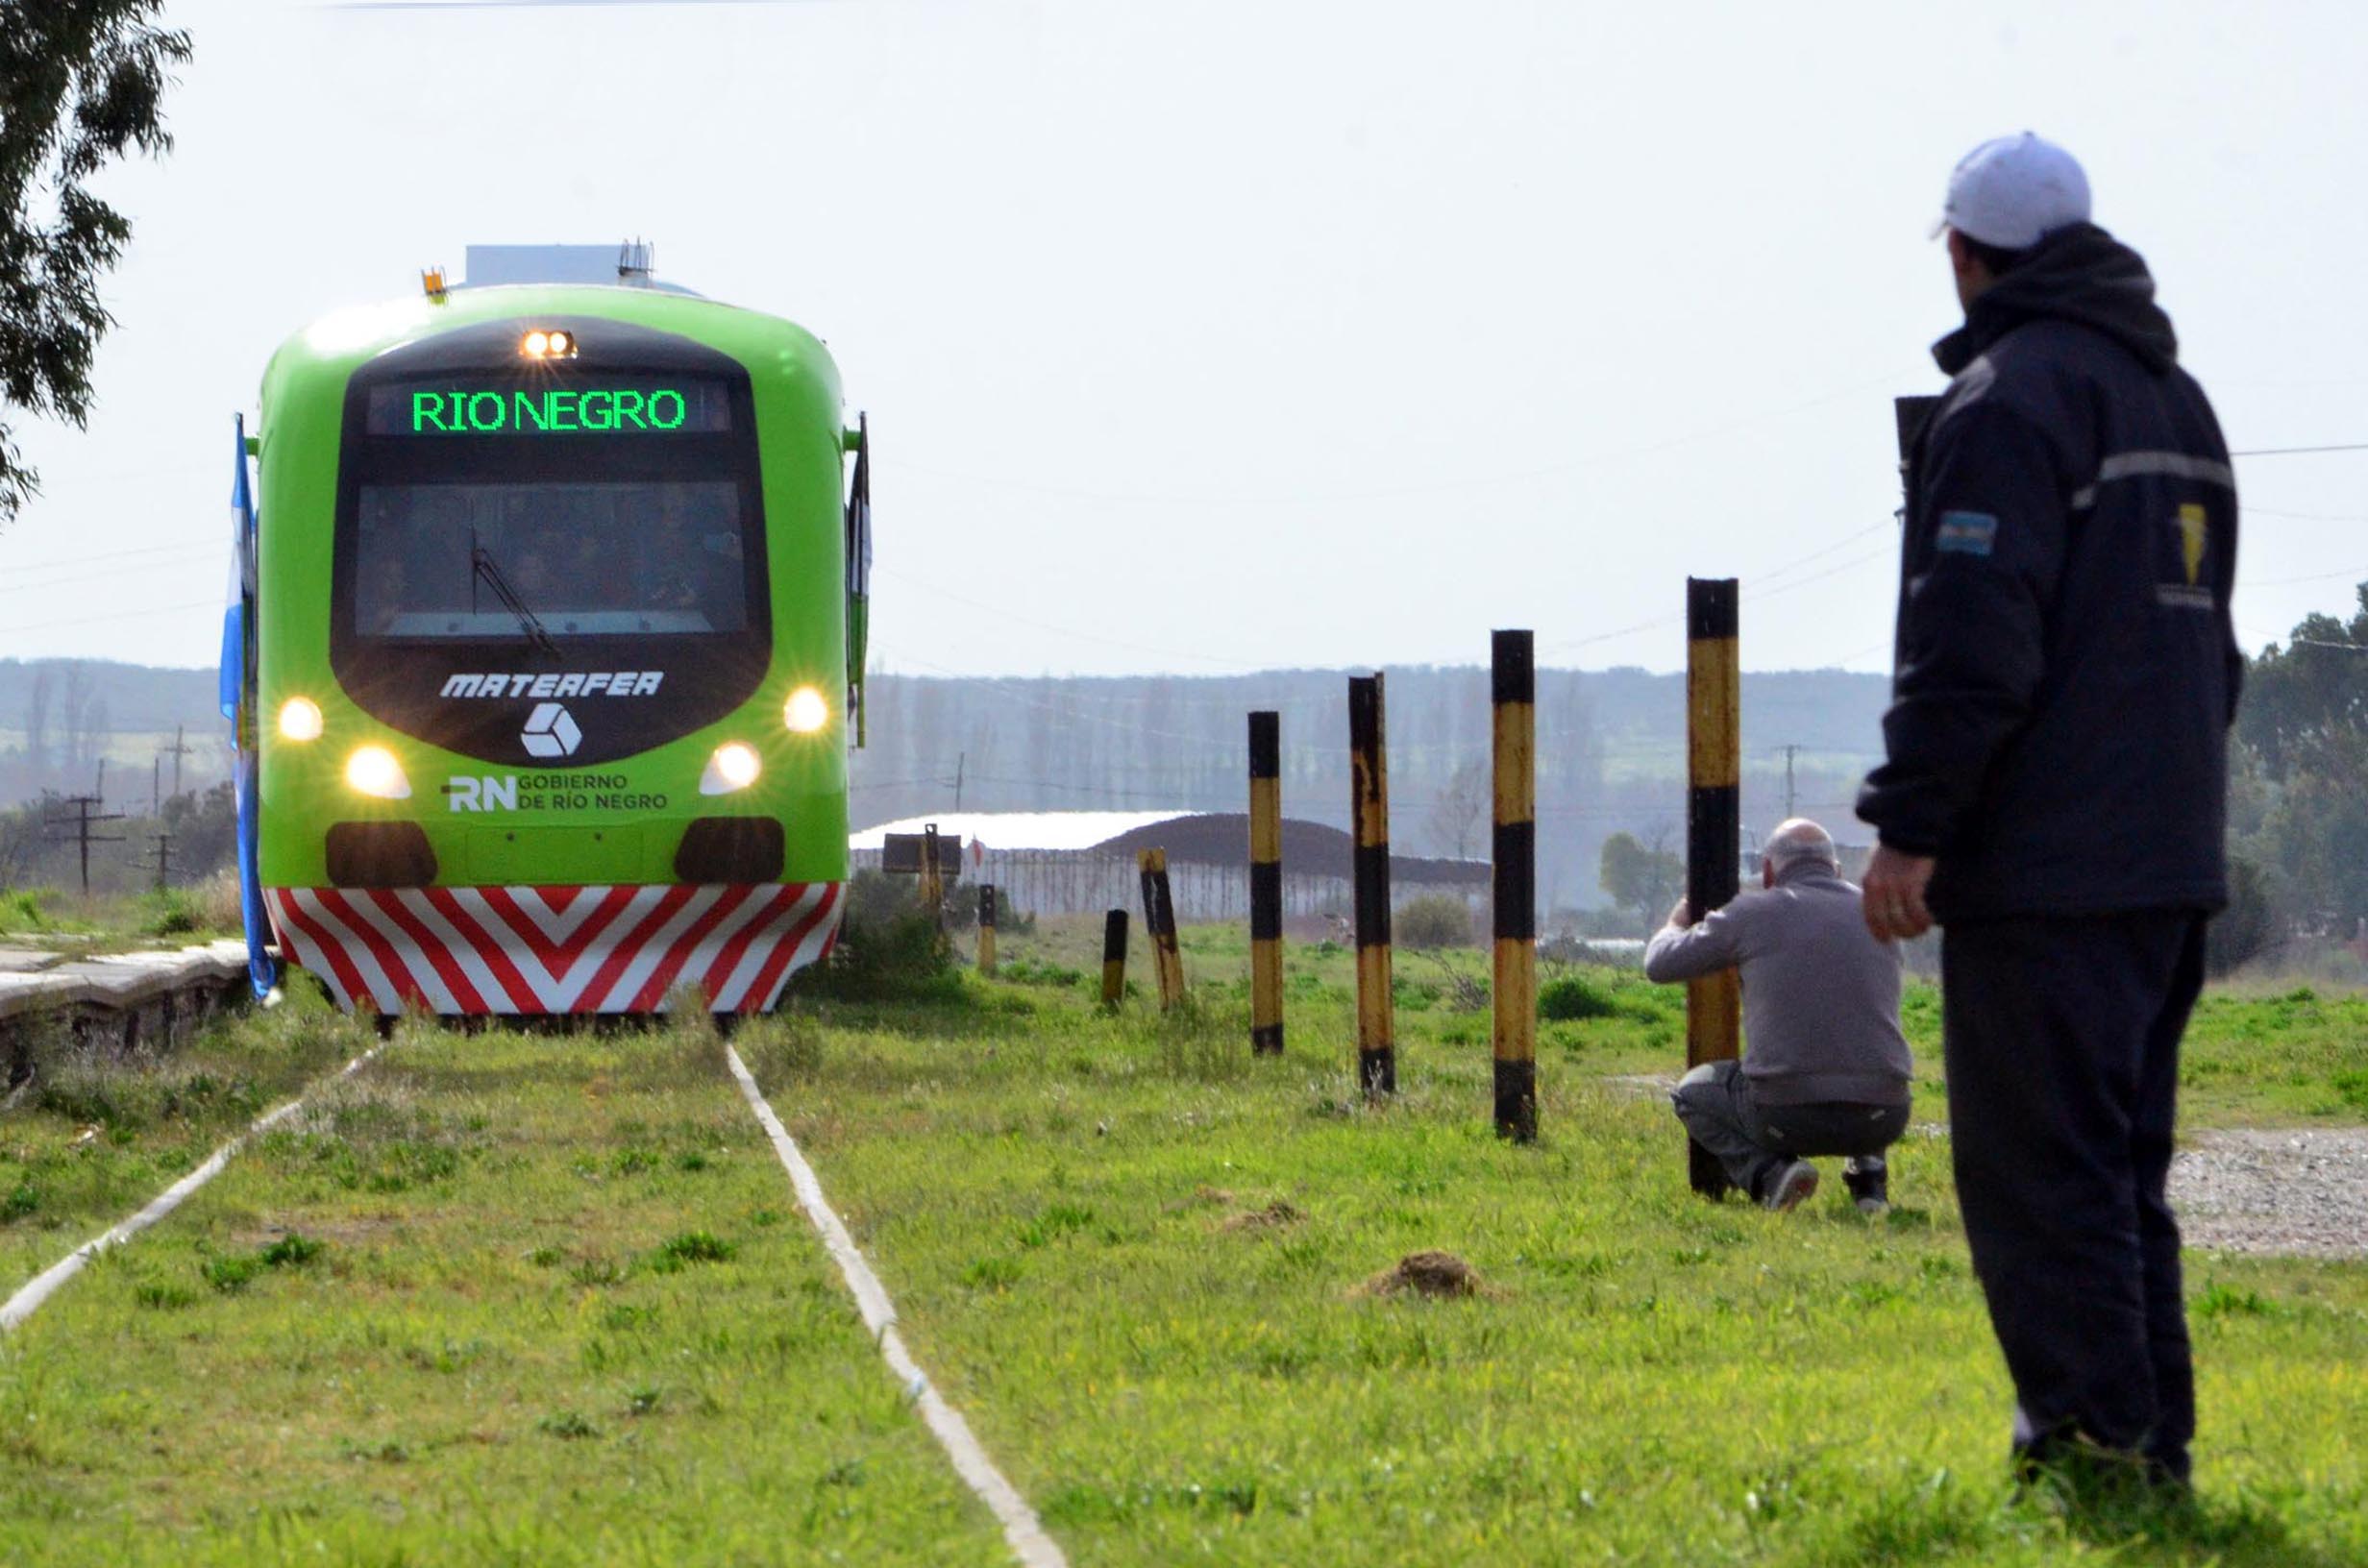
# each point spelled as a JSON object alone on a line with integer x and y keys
{"x": 81, "y": 83}
{"x": 2298, "y": 819}
{"x": 1434, "y": 920}
{"x": 1640, "y": 876}
{"x": 2307, "y": 703}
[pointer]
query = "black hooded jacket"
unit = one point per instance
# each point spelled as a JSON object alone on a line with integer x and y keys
{"x": 2066, "y": 669}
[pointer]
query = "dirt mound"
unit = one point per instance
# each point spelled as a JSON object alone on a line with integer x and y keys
{"x": 1274, "y": 1217}
{"x": 1436, "y": 1275}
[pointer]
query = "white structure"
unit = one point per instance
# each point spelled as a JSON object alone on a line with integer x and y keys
{"x": 1077, "y": 862}
{"x": 1050, "y": 830}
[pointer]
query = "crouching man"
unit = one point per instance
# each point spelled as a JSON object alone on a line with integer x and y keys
{"x": 1825, "y": 1071}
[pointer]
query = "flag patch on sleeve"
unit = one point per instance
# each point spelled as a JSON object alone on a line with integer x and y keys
{"x": 1966, "y": 533}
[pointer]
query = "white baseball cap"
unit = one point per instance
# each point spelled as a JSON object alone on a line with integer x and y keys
{"x": 2014, "y": 191}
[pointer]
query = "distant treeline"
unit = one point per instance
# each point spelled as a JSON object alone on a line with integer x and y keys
{"x": 60, "y": 717}
{"x": 1612, "y": 748}
{"x": 1611, "y": 753}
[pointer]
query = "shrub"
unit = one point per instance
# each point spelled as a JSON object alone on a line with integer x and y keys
{"x": 1434, "y": 920}
{"x": 1573, "y": 997}
{"x": 888, "y": 950}
{"x": 168, "y": 912}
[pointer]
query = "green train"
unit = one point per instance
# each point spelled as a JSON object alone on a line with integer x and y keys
{"x": 546, "y": 651}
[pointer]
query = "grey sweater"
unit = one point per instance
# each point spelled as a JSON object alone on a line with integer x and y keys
{"x": 1820, "y": 996}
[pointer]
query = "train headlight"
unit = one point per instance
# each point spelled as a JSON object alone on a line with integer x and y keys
{"x": 300, "y": 718}
{"x": 734, "y": 766}
{"x": 542, "y": 345}
{"x": 806, "y": 711}
{"x": 372, "y": 769}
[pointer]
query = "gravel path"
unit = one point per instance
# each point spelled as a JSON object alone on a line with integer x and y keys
{"x": 2300, "y": 1192}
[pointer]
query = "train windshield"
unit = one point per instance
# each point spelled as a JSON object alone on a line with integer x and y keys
{"x": 482, "y": 560}
{"x": 500, "y": 516}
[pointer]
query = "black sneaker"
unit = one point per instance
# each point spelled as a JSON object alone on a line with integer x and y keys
{"x": 1870, "y": 1181}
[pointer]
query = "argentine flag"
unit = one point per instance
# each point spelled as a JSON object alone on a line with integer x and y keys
{"x": 237, "y": 698}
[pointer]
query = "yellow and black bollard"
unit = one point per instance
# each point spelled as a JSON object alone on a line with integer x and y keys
{"x": 1159, "y": 925}
{"x": 1265, "y": 884}
{"x": 1368, "y": 804}
{"x": 1114, "y": 958}
{"x": 1513, "y": 695}
{"x": 1714, "y": 825}
{"x": 986, "y": 927}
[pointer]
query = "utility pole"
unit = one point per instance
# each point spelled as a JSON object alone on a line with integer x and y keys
{"x": 1788, "y": 751}
{"x": 80, "y": 823}
{"x": 164, "y": 859}
{"x": 961, "y": 762}
{"x": 156, "y": 785}
{"x": 179, "y": 749}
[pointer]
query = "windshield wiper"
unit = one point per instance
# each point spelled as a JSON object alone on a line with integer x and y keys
{"x": 483, "y": 568}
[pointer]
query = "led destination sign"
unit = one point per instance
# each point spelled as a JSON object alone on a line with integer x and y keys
{"x": 636, "y": 408}
{"x": 491, "y": 413}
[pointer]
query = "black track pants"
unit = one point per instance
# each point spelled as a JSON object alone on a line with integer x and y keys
{"x": 2063, "y": 1046}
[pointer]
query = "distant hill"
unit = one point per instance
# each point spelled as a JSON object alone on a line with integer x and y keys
{"x": 1611, "y": 746}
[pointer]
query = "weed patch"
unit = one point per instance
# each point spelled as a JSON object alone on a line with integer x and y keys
{"x": 291, "y": 1251}
{"x": 230, "y": 1275}
{"x": 692, "y": 1247}
{"x": 2221, "y": 1300}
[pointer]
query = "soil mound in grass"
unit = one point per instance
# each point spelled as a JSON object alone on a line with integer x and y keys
{"x": 1436, "y": 1275}
{"x": 1274, "y": 1217}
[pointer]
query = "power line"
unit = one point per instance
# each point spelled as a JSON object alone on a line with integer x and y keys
{"x": 104, "y": 573}
{"x": 2296, "y": 451}
{"x": 115, "y": 555}
{"x": 121, "y": 615}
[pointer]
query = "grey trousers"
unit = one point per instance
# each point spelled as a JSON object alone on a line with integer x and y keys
{"x": 1754, "y": 1141}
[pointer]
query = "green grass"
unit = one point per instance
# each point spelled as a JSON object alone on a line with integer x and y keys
{"x": 2289, "y": 1056}
{"x": 500, "y": 1298}
{"x": 1076, "y": 1214}
{"x": 94, "y": 1136}
{"x": 539, "y": 1298}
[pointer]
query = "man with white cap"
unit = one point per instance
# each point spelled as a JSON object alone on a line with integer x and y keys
{"x": 2054, "y": 791}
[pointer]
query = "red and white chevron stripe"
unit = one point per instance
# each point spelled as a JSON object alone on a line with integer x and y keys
{"x": 621, "y": 949}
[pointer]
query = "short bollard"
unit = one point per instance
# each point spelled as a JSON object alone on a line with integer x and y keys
{"x": 1159, "y": 925}
{"x": 1265, "y": 884}
{"x": 1114, "y": 958}
{"x": 1368, "y": 805}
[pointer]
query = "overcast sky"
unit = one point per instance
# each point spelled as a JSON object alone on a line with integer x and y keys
{"x": 1217, "y": 335}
